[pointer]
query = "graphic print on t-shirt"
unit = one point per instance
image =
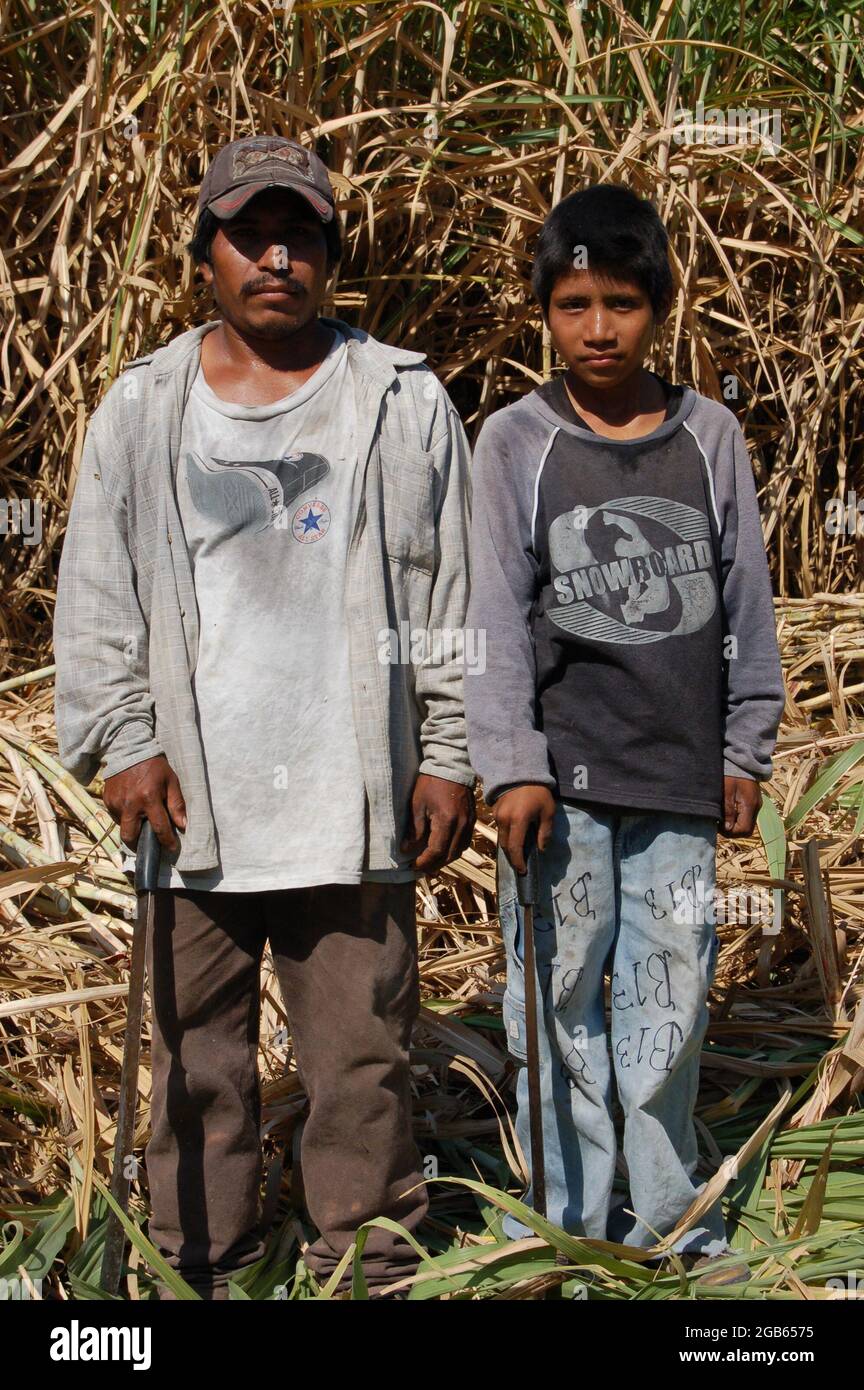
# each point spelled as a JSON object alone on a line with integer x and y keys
{"x": 311, "y": 521}
{"x": 240, "y": 495}
{"x": 632, "y": 570}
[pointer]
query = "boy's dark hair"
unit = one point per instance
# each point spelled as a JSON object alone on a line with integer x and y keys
{"x": 208, "y": 224}
{"x": 623, "y": 236}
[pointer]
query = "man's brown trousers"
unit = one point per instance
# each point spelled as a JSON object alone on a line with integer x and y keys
{"x": 346, "y": 960}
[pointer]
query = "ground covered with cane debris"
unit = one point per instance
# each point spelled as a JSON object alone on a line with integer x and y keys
{"x": 780, "y": 1121}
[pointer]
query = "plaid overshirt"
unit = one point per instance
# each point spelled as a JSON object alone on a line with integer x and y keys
{"x": 126, "y": 618}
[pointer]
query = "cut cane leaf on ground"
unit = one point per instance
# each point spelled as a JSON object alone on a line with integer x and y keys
{"x": 157, "y": 1263}
{"x": 827, "y": 781}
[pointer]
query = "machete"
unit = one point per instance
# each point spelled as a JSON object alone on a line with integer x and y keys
{"x": 528, "y": 894}
{"x": 147, "y": 855}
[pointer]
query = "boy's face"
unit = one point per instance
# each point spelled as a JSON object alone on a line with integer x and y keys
{"x": 601, "y": 327}
{"x": 269, "y": 265}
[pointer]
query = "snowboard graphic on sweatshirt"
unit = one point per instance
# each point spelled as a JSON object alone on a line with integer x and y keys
{"x": 634, "y": 569}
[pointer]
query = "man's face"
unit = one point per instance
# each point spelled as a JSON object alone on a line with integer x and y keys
{"x": 269, "y": 265}
{"x": 601, "y": 327}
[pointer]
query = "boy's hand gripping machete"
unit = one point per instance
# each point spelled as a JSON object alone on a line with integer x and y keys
{"x": 147, "y": 856}
{"x": 528, "y": 894}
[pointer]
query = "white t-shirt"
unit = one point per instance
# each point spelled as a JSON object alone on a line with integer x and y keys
{"x": 266, "y": 495}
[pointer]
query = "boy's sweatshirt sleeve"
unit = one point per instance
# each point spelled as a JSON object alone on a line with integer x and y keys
{"x": 754, "y": 690}
{"x": 504, "y": 745}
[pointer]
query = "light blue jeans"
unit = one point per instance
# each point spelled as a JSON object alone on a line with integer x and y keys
{"x": 631, "y": 892}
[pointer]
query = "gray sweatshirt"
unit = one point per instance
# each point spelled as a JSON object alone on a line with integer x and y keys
{"x": 621, "y": 588}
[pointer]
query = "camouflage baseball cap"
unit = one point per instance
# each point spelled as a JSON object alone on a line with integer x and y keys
{"x": 245, "y": 167}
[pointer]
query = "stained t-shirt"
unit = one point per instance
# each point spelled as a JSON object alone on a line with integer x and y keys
{"x": 266, "y": 496}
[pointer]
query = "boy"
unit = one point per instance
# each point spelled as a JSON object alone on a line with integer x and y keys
{"x": 630, "y": 700}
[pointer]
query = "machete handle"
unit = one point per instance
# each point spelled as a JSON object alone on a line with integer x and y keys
{"x": 147, "y": 855}
{"x": 528, "y": 884}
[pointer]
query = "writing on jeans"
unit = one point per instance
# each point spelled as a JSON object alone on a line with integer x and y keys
{"x": 656, "y": 968}
{"x": 580, "y": 899}
{"x": 652, "y": 980}
{"x": 688, "y": 889}
{"x": 664, "y": 1045}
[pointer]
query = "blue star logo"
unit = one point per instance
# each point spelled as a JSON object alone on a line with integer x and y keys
{"x": 310, "y": 522}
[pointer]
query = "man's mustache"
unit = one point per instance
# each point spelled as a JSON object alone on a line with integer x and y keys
{"x": 284, "y": 283}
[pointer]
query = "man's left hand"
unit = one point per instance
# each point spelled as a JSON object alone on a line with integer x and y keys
{"x": 742, "y": 799}
{"x": 442, "y": 819}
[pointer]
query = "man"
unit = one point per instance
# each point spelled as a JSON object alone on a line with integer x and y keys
{"x": 261, "y": 504}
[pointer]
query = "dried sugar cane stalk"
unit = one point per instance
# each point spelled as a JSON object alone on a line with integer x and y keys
{"x": 25, "y": 855}
{"x": 821, "y": 929}
{"x": 96, "y": 893}
{"x": 86, "y": 809}
{"x": 28, "y": 777}
{"x": 29, "y": 678}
